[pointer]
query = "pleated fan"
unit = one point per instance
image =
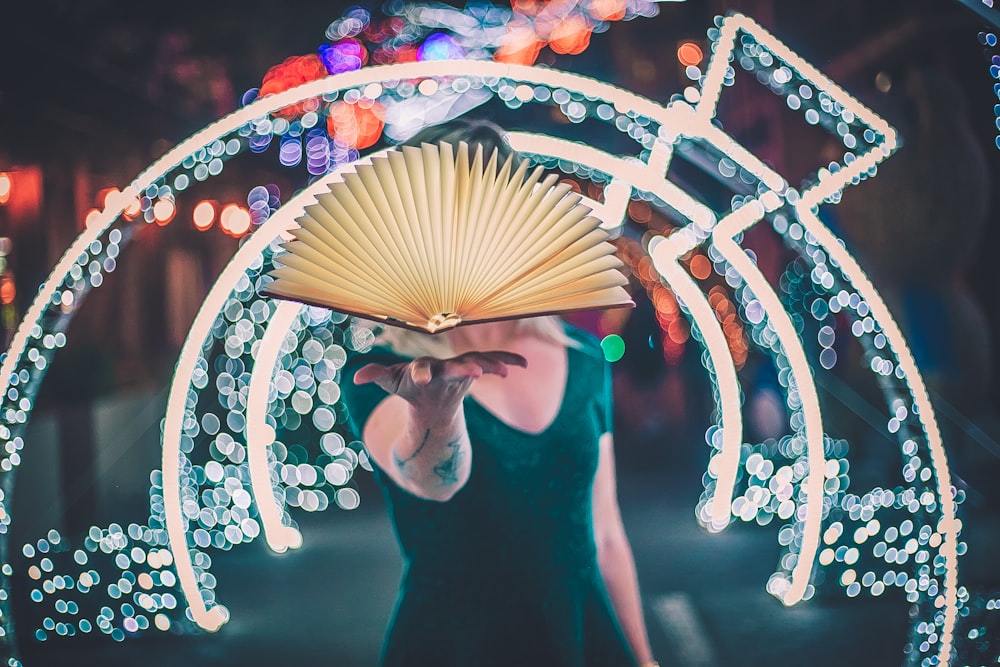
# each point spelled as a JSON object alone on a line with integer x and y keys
{"x": 432, "y": 237}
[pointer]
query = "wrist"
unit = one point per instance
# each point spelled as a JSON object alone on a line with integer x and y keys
{"x": 439, "y": 420}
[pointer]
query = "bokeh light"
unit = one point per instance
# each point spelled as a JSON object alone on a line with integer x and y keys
{"x": 5, "y": 186}
{"x": 164, "y": 211}
{"x": 234, "y": 219}
{"x": 689, "y": 54}
{"x": 613, "y": 346}
{"x": 571, "y": 35}
{"x": 440, "y": 46}
{"x": 203, "y": 215}
{"x": 866, "y": 533}
{"x": 343, "y": 56}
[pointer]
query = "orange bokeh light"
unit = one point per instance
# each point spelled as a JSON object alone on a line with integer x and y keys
{"x": 234, "y": 219}
{"x": 203, "y": 215}
{"x": 520, "y": 47}
{"x": 700, "y": 267}
{"x": 294, "y": 71}
{"x": 608, "y": 10}
{"x": 132, "y": 208}
{"x": 689, "y": 54}
{"x": 527, "y": 7}
{"x": 571, "y": 35}
{"x": 639, "y": 211}
{"x": 164, "y": 211}
{"x": 8, "y": 291}
{"x": 356, "y": 125}
{"x": 5, "y": 186}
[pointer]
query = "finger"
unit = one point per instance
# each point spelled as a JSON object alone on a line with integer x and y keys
{"x": 509, "y": 358}
{"x": 456, "y": 369}
{"x": 420, "y": 371}
{"x": 371, "y": 373}
{"x": 487, "y": 363}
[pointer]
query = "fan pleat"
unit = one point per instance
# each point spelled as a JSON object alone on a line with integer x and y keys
{"x": 364, "y": 256}
{"x": 313, "y": 249}
{"x": 578, "y": 260}
{"x": 390, "y": 207}
{"x": 447, "y": 213}
{"x": 409, "y": 233}
{"x": 332, "y": 286}
{"x": 417, "y": 187}
{"x": 463, "y": 211}
{"x": 482, "y": 203}
{"x": 608, "y": 297}
{"x": 345, "y": 248}
{"x": 562, "y": 284}
{"x": 429, "y": 183}
{"x": 401, "y": 183}
{"x": 332, "y": 210}
{"x": 393, "y": 267}
{"x": 584, "y": 295}
{"x": 434, "y": 231}
{"x": 556, "y": 222}
{"x": 507, "y": 193}
{"x": 503, "y": 229}
{"x": 363, "y": 216}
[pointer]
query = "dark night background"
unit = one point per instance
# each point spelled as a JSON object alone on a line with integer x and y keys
{"x": 92, "y": 92}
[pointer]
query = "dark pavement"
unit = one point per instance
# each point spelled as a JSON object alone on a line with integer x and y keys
{"x": 327, "y": 603}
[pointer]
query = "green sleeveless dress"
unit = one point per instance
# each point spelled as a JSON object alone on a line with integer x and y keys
{"x": 505, "y": 573}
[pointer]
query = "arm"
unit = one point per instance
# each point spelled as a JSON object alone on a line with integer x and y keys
{"x": 614, "y": 555}
{"x": 417, "y": 435}
{"x": 425, "y": 452}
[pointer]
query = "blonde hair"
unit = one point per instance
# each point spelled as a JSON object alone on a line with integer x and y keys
{"x": 408, "y": 343}
{"x": 475, "y": 132}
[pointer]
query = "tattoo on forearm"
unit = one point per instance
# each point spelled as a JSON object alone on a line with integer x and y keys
{"x": 447, "y": 469}
{"x": 400, "y": 461}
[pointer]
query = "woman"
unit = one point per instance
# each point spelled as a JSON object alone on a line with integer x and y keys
{"x": 492, "y": 443}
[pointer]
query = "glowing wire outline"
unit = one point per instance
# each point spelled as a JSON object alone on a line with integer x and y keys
{"x": 722, "y": 238}
{"x": 827, "y": 184}
{"x": 805, "y": 210}
{"x": 259, "y": 434}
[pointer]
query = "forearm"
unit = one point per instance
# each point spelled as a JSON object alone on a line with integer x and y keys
{"x": 433, "y": 455}
{"x": 618, "y": 572}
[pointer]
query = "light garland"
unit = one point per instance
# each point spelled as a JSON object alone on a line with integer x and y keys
{"x": 232, "y": 320}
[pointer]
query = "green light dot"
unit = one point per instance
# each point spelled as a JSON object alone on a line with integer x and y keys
{"x": 613, "y": 346}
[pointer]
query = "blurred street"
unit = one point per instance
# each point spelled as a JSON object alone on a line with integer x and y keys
{"x": 328, "y": 602}
{"x": 95, "y": 94}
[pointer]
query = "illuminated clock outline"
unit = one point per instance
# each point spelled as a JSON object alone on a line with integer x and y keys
{"x": 677, "y": 120}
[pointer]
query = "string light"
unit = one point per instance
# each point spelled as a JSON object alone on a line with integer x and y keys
{"x": 987, "y": 39}
{"x": 6, "y": 184}
{"x": 203, "y": 215}
{"x": 206, "y": 450}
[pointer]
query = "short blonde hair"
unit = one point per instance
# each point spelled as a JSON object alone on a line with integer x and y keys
{"x": 409, "y": 343}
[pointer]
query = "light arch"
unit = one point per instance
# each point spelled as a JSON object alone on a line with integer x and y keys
{"x": 685, "y": 122}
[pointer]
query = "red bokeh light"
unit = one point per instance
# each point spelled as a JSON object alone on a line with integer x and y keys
{"x": 608, "y": 10}
{"x": 294, "y": 71}
{"x": 689, "y": 54}
{"x": 571, "y": 35}
{"x": 356, "y": 125}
